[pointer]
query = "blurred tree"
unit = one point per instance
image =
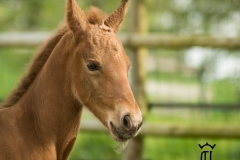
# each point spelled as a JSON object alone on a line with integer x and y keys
{"x": 174, "y": 16}
{"x": 33, "y": 10}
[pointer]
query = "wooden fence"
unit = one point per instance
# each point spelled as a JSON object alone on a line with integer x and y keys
{"x": 31, "y": 39}
{"x": 167, "y": 130}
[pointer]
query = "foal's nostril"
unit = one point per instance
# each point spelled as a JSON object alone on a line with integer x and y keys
{"x": 127, "y": 124}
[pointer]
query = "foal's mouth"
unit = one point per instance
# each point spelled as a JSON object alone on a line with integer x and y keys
{"x": 122, "y": 135}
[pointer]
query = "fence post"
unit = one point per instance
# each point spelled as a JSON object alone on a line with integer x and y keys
{"x": 138, "y": 25}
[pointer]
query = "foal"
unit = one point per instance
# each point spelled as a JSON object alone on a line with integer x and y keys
{"x": 82, "y": 65}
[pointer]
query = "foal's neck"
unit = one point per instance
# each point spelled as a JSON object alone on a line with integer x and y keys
{"x": 49, "y": 102}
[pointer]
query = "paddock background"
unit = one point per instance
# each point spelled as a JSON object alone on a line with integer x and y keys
{"x": 188, "y": 74}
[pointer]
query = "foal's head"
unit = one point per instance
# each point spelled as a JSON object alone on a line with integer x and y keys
{"x": 100, "y": 70}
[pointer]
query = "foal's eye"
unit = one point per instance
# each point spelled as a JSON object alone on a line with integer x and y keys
{"x": 93, "y": 66}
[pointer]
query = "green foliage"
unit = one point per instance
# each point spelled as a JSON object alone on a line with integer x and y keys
{"x": 12, "y": 66}
{"x": 25, "y": 15}
{"x": 196, "y": 16}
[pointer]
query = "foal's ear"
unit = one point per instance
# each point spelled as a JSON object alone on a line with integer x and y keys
{"x": 115, "y": 19}
{"x": 76, "y": 18}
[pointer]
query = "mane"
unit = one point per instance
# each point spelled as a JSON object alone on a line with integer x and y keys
{"x": 34, "y": 68}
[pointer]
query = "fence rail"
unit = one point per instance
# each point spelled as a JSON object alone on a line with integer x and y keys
{"x": 29, "y": 39}
{"x": 169, "y": 130}
{"x": 226, "y": 107}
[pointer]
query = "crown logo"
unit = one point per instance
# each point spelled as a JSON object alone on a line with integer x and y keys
{"x": 207, "y": 145}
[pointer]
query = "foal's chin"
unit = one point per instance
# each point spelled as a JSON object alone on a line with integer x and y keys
{"x": 121, "y": 135}
{"x": 122, "y": 140}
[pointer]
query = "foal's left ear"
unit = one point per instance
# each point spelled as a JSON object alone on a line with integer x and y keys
{"x": 76, "y": 18}
{"x": 114, "y": 21}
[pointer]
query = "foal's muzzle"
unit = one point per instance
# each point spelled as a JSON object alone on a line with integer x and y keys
{"x": 127, "y": 130}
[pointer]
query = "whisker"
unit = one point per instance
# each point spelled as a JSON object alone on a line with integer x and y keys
{"x": 118, "y": 147}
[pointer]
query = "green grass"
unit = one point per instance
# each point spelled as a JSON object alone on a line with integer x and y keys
{"x": 170, "y": 77}
{"x": 99, "y": 147}
{"x": 188, "y": 149}
{"x": 226, "y": 91}
{"x": 94, "y": 146}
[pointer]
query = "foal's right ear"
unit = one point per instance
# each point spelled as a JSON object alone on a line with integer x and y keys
{"x": 115, "y": 19}
{"x": 76, "y": 18}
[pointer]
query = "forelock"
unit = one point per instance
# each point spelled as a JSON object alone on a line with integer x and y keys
{"x": 95, "y": 16}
